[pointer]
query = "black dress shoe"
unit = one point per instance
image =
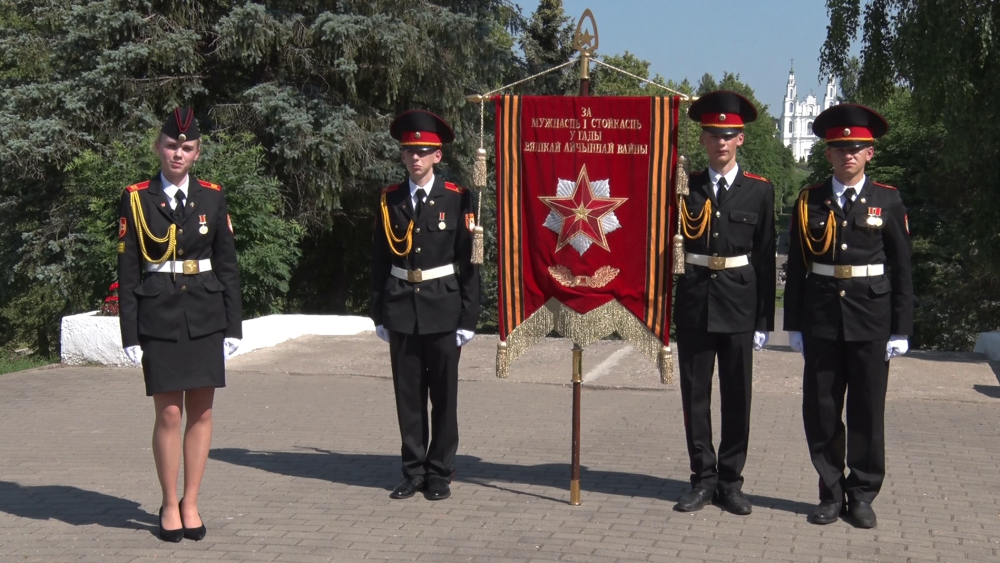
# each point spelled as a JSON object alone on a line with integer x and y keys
{"x": 196, "y": 534}
{"x": 694, "y": 500}
{"x": 826, "y": 512}
{"x": 408, "y": 487}
{"x": 437, "y": 488}
{"x": 734, "y": 501}
{"x": 862, "y": 514}
{"x": 173, "y": 536}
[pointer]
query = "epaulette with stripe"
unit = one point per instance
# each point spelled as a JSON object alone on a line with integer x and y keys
{"x": 210, "y": 185}
{"x": 886, "y": 186}
{"x": 814, "y": 186}
{"x": 454, "y": 188}
{"x": 756, "y": 177}
{"x": 391, "y": 188}
{"x": 696, "y": 173}
{"x": 137, "y": 187}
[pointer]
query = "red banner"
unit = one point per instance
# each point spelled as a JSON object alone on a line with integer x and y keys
{"x": 584, "y": 200}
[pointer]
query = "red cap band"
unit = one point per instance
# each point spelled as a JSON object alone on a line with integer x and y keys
{"x": 420, "y": 139}
{"x": 856, "y": 133}
{"x": 727, "y": 120}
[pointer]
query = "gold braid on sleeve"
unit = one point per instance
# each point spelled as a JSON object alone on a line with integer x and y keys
{"x": 699, "y": 223}
{"x": 391, "y": 237}
{"x": 142, "y": 230}
{"x": 810, "y": 242}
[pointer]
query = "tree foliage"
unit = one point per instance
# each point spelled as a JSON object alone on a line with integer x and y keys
{"x": 932, "y": 66}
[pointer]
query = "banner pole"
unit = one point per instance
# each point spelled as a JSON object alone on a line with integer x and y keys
{"x": 585, "y": 41}
{"x": 574, "y": 474}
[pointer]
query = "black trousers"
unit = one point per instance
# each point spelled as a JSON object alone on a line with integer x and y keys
{"x": 426, "y": 366}
{"x": 859, "y": 368}
{"x": 697, "y": 351}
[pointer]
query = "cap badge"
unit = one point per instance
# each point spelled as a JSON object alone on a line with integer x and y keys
{"x": 416, "y": 135}
{"x": 847, "y": 132}
{"x": 722, "y": 117}
{"x": 182, "y": 137}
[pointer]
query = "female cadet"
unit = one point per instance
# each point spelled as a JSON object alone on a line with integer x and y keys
{"x": 180, "y": 310}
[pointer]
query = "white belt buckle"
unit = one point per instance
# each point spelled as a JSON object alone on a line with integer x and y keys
{"x": 716, "y": 263}
{"x": 414, "y": 276}
{"x": 842, "y": 272}
{"x": 191, "y": 267}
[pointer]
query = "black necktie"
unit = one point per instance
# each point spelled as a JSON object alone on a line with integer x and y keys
{"x": 849, "y": 194}
{"x": 723, "y": 190}
{"x": 178, "y": 204}
{"x": 421, "y": 194}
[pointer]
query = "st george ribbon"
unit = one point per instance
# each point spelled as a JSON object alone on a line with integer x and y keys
{"x": 584, "y": 201}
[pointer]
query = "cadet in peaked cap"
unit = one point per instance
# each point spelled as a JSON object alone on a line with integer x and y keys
{"x": 848, "y": 310}
{"x": 180, "y": 310}
{"x": 722, "y": 112}
{"x": 425, "y": 301}
{"x": 724, "y": 305}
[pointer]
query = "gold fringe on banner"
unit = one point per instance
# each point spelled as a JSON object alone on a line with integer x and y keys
{"x": 682, "y": 191}
{"x": 583, "y": 330}
{"x": 479, "y": 169}
{"x": 503, "y": 361}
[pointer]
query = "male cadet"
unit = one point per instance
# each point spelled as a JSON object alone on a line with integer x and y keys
{"x": 425, "y": 300}
{"x": 724, "y": 304}
{"x": 848, "y": 309}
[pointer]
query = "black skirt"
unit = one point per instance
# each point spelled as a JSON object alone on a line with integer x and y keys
{"x": 188, "y": 363}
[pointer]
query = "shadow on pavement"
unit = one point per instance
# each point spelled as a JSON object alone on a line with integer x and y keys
{"x": 74, "y": 506}
{"x": 382, "y": 472}
{"x": 988, "y": 390}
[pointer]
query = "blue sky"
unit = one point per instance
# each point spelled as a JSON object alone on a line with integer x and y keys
{"x": 756, "y": 39}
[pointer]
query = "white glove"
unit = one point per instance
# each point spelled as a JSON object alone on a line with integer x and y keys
{"x": 897, "y": 346}
{"x": 229, "y": 346}
{"x": 382, "y": 333}
{"x": 134, "y": 353}
{"x": 795, "y": 341}
{"x": 759, "y": 340}
{"x": 462, "y": 337}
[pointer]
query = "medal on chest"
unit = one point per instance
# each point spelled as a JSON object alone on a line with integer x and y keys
{"x": 875, "y": 216}
{"x": 203, "y": 229}
{"x": 442, "y": 224}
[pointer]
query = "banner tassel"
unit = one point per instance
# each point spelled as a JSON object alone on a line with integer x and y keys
{"x": 503, "y": 363}
{"x": 682, "y": 190}
{"x": 479, "y": 169}
{"x": 666, "y": 365}
{"x": 477, "y": 245}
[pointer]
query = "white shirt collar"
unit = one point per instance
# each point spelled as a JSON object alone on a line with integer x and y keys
{"x": 839, "y": 188}
{"x": 426, "y": 187}
{"x": 730, "y": 176}
{"x": 171, "y": 189}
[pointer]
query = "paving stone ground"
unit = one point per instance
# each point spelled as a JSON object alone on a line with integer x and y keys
{"x": 306, "y": 451}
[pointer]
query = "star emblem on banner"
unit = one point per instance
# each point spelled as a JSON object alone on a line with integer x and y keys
{"x": 582, "y": 213}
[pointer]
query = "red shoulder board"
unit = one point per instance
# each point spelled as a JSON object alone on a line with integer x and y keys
{"x": 884, "y": 186}
{"x": 391, "y": 188}
{"x": 139, "y": 186}
{"x": 454, "y": 188}
{"x": 696, "y": 173}
{"x": 813, "y": 187}
{"x": 756, "y": 177}
{"x": 210, "y": 185}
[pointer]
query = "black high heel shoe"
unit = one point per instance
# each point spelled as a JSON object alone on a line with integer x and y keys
{"x": 196, "y": 534}
{"x": 173, "y": 536}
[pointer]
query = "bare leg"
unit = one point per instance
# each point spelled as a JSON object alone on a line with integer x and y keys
{"x": 197, "y": 440}
{"x": 167, "y": 452}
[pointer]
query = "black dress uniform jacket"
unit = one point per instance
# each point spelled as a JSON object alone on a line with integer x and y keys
{"x": 730, "y": 300}
{"x": 866, "y": 308}
{"x": 153, "y": 304}
{"x": 441, "y": 236}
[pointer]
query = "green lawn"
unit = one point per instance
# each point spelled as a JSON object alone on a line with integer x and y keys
{"x": 779, "y": 299}
{"x": 10, "y": 363}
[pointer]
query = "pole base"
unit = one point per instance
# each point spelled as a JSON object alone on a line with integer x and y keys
{"x": 574, "y": 492}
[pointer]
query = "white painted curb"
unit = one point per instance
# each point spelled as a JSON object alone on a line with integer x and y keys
{"x": 988, "y": 343}
{"x": 88, "y": 338}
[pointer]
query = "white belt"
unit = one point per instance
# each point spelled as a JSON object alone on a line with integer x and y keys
{"x": 848, "y": 272}
{"x": 418, "y": 275}
{"x": 187, "y": 267}
{"x": 717, "y": 262}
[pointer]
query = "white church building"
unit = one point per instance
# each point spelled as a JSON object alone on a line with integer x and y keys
{"x": 797, "y": 116}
